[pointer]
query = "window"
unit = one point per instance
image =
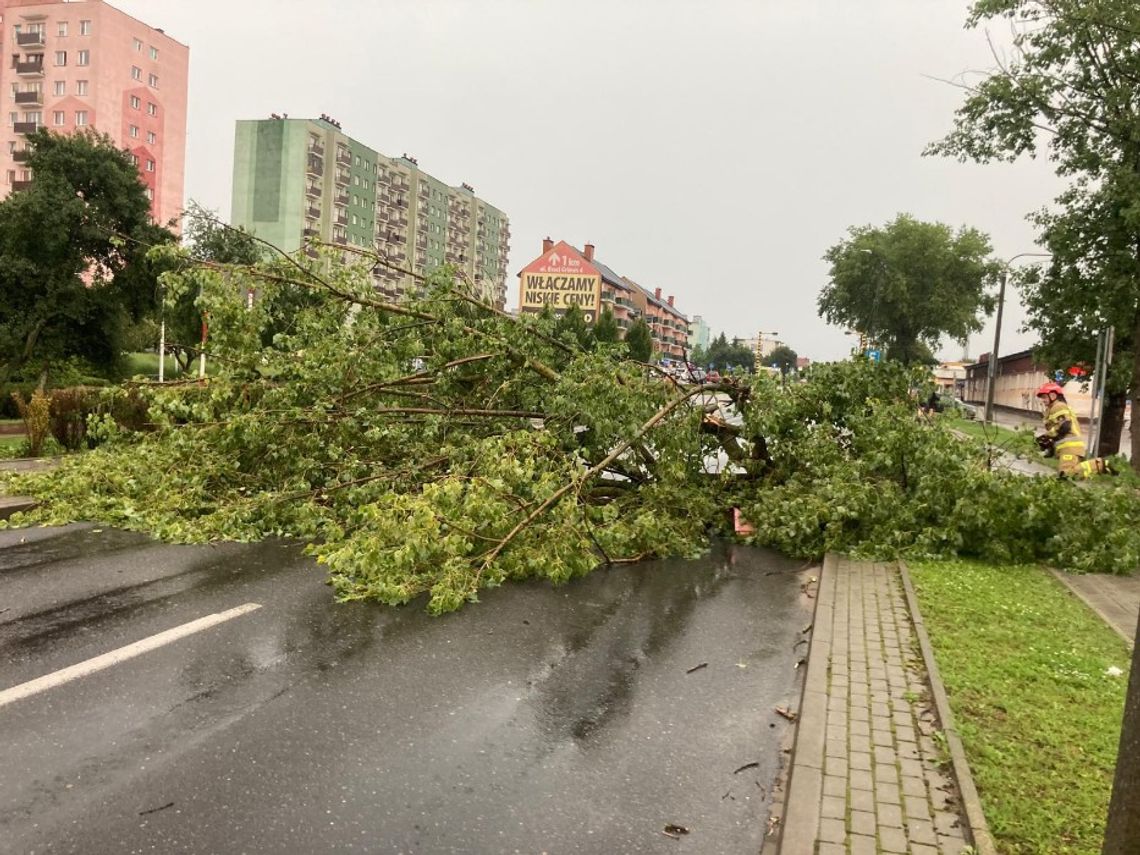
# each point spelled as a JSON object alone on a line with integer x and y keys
{"x": 153, "y": 81}
{"x": 84, "y": 28}
{"x": 154, "y": 54}
{"x": 61, "y": 57}
{"x": 136, "y": 73}
{"x": 81, "y": 87}
{"x": 60, "y": 88}
{"x": 84, "y": 58}
{"x": 151, "y": 108}
{"x": 59, "y": 118}
{"x": 150, "y": 166}
{"x": 134, "y": 132}
{"x": 135, "y": 159}
{"x": 138, "y": 46}
{"x": 151, "y": 138}
{"x": 80, "y": 118}
{"x": 62, "y": 31}
{"x": 13, "y": 118}
{"x": 149, "y": 194}
{"x": 136, "y": 102}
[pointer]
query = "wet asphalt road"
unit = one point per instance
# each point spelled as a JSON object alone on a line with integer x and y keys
{"x": 543, "y": 719}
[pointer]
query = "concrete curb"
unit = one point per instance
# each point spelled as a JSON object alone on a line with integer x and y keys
{"x": 802, "y": 804}
{"x": 978, "y": 831}
{"x": 10, "y": 505}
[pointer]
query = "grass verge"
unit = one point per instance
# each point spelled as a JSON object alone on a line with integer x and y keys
{"x": 1024, "y": 663}
{"x": 1017, "y": 443}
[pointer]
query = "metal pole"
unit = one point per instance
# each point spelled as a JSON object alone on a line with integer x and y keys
{"x": 991, "y": 374}
{"x": 162, "y": 351}
{"x": 1105, "y": 342}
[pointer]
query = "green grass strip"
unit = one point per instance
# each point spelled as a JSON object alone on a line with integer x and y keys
{"x": 1024, "y": 664}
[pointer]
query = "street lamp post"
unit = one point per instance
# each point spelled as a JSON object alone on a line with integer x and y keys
{"x": 991, "y": 369}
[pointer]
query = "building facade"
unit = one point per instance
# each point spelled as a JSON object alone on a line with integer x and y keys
{"x": 564, "y": 276}
{"x": 302, "y": 180}
{"x": 700, "y": 334}
{"x": 1016, "y": 382}
{"x": 82, "y": 64}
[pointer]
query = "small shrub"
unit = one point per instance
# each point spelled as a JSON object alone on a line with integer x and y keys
{"x": 69, "y": 410}
{"x": 36, "y": 414}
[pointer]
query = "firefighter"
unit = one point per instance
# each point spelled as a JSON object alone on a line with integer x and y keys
{"x": 1062, "y": 436}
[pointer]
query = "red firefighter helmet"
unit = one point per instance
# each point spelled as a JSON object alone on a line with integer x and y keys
{"x": 1052, "y": 387}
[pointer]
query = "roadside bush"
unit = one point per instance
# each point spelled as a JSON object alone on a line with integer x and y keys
{"x": 69, "y": 410}
{"x": 36, "y": 414}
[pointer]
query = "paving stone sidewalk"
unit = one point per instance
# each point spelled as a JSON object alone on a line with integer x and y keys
{"x": 868, "y": 774}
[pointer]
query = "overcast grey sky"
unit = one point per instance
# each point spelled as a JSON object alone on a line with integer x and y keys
{"x": 713, "y": 148}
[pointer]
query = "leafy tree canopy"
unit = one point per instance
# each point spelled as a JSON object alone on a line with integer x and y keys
{"x": 725, "y": 355}
{"x": 73, "y": 269}
{"x": 1068, "y": 87}
{"x": 783, "y": 357}
{"x": 639, "y": 341}
{"x": 606, "y": 329}
{"x": 909, "y": 284}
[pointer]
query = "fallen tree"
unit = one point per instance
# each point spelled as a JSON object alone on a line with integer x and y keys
{"x": 439, "y": 446}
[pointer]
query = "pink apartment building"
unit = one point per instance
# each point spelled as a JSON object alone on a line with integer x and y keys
{"x": 75, "y": 64}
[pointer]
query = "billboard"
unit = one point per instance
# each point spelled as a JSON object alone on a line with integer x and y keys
{"x": 561, "y": 278}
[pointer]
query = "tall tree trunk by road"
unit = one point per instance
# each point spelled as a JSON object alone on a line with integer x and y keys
{"x": 1112, "y": 425}
{"x": 1135, "y": 390}
{"x": 1122, "y": 835}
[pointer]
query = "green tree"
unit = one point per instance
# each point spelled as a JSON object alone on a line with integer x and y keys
{"x": 572, "y": 326}
{"x": 209, "y": 240}
{"x": 724, "y": 355}
{"x": 639, "y": 341}
{"x": 73, "y": 275}
{"x": 909, "y": 284}
{"x": 606, "y": 329}
{"x": 783, "y": 357}
{"x": 1068, "y": 88}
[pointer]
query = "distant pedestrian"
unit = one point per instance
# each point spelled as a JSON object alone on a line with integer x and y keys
{"x": 1062, "y": 436}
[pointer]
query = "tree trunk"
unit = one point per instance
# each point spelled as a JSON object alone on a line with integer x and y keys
{"x": 1112, "y": 425}
{"x": 1135, "y": 390}
{"x": 1122, "y": 834}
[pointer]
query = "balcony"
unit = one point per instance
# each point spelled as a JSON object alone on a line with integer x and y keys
{"x": 315, "y": 166}
{"x": 21, "y": 155}
{"x": 313, "y": 191}
{"x": 341, "y": 219}
{"x": 30, "y": 69}
{"x": 343, "y": 178}
{"x": 33, "y": 39}
{"x": 35, "y": 97}
{"x": 343, "y": 158}
{"x": 17, "y": 186}
{"x": 317, "y": 149}
{"x": 310, "y": 232}
{"x": 26, "y": 127}
{"x": 314, "y": 212}
{"x": 341, "y": 199}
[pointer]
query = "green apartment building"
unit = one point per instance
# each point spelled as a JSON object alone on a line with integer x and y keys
{"x": 300, "y": 181}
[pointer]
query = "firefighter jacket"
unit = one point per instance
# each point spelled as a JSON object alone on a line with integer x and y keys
{"x": 1062, "y": 426}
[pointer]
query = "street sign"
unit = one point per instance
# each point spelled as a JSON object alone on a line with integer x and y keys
{"x": 875, "y": 355}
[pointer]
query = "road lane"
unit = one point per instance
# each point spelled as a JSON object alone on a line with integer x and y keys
{"x": 542, "y": 719}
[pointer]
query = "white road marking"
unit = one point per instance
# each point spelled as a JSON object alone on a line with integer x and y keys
{"x": 91, "y": 666}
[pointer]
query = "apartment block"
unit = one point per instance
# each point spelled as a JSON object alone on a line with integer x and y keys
{"x": 76, "y": 64}
{"x": 564, "y": 276}
{"x": 303, "y": 181}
